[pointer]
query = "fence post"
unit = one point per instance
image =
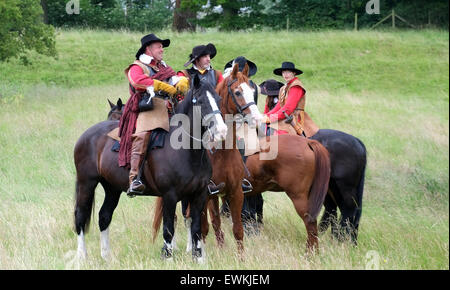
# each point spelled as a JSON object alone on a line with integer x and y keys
{"x": 393, "y": 18}
{"x": 356, "y": 21}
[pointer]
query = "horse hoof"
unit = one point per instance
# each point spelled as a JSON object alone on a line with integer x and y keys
{"x": 167, "y": 253}
{"x": 198, "y": 256}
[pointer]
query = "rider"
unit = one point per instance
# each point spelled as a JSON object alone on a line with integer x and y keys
{"x": 270, "y": 88}
{"x": 291, "y": 102}
{"x": 147, "y": 74}
{"x": 200, "y": 58}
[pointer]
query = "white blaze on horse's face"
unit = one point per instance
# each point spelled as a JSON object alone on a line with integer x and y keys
{"x": 248, "y": 97}
{"x": 220, "y": 127}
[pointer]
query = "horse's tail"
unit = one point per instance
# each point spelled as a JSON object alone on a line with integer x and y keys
{"x": 319, "y": 187}
{"x": 84, "y": 205}
{"x": 158, "y": 217}
{"x": 360, "y": 189}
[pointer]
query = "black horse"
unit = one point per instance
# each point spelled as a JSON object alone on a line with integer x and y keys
{"x": 173, "y": 173}
{"x": 348, "y": 159}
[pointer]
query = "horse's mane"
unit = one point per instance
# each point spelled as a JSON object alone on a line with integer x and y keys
{"x": 183, "y": 106}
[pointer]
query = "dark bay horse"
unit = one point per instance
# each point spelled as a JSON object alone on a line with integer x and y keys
{"x": 228, "y": 167}
{"x": 301, "y": 168}
{"x": 116, "y": 110}
{"x": 172, "y": 173}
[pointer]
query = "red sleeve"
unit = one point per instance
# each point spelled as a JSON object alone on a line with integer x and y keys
{"x": 220, "y": 77}
{"x": 295, "y": 94}
{"x": 274, "y": 110}
{"x": 138, "y": 79}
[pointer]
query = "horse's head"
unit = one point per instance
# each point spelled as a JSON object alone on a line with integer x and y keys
{"x": 205, "y": 99}
{"x": 116, "y": 110}
{"x": 237, "y": 88}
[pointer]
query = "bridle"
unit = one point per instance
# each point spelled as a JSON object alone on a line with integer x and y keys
{"x": 233, "y": 97}
{"x": 205, "y": 120}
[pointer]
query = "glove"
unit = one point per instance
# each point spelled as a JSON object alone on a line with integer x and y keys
{"x": 182, "y": 86}
{"x": 162, "y": 86}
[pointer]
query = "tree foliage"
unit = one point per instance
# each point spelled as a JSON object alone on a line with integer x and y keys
{"x": 22, "y": 29}
{"x": 138, "y": 15}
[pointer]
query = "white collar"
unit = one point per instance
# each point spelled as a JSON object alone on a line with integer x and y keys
{"x": 147, "y": 59}
{"x": 195, "y": 67}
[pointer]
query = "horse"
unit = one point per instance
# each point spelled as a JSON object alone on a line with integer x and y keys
{"x": 116, "y": 110}
{"x": 228, "y": 167}
{"x": 301, "y": 169}
{"x": 170, "y": 173}
{"x": 346, "y": 187}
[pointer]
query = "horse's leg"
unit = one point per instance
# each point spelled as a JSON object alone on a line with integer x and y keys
{"x": 112, "y": 196}
{"x": 197, "y": 209}
{"x": 170, "y": 203}
{"x": 204, "y": 221}
{"x": 300, "y": 201}
{"x": 235, "y": 203}
{"x": 85, "y": 190}
{"x": 349, "y": 208}
{"x": 249, "y": 214}
{"x": 185, "y": 209}
{"x": 225, "y": 208}
{"x": 214, "y": 213}
{"x": 347, "y": 222}
{"x": 329, "y": 216}
{"x": 259, "y": 210}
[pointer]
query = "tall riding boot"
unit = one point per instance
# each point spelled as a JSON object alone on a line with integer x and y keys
{"x": 246, "y": 185}
{"x": 138, "y": 150}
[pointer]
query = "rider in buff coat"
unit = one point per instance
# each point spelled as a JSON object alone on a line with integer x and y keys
{"x": 147, "y": 74}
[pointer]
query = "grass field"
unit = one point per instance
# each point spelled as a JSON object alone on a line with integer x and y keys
{"x": 388, "y": 88}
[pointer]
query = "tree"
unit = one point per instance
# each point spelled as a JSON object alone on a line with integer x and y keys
{"x": 182, "y": 18}
{"x": 22, "y": 29}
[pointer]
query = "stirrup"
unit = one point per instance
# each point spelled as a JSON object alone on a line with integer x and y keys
{"x": 246, "y": 186}
{"x": 131, "y": 192}
{"x": 213, "y": 188}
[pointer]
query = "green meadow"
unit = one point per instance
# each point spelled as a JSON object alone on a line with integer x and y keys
{"x": 388, "y": 88}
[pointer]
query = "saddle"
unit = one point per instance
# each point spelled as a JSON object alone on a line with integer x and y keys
{"x": 157, "y": 138}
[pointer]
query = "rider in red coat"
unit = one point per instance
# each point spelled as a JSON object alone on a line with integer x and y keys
{"x": 289, "y": 97}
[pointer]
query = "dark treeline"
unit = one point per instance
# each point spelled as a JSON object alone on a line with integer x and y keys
{"x": 238, "y": 14}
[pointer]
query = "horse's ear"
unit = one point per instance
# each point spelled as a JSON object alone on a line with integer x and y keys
{"x": 111, "y": 104}
{"x": 119, "y": 103}
{"x": 235, "y": 70}
{"x": 245, "y": 70}
{"x": 196, "y": 81}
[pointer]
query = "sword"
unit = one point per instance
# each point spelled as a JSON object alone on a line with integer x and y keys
{"x": 290, "y": 120}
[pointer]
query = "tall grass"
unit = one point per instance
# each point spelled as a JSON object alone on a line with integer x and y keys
{"x": 390, "y": 89}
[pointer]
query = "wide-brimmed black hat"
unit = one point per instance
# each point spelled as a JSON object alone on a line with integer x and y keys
{"x": 242, "y": 61}
{"x": 287, "y": 66}
{"x": 149, "y": 39}
{"x": 271, "y": 87}
{"x": 201, "y": 50}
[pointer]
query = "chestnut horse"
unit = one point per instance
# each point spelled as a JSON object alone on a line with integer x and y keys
{"x": 301, "y": 168}
{"x": 170, "y": 172}
{"x": 346, "y": 187}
